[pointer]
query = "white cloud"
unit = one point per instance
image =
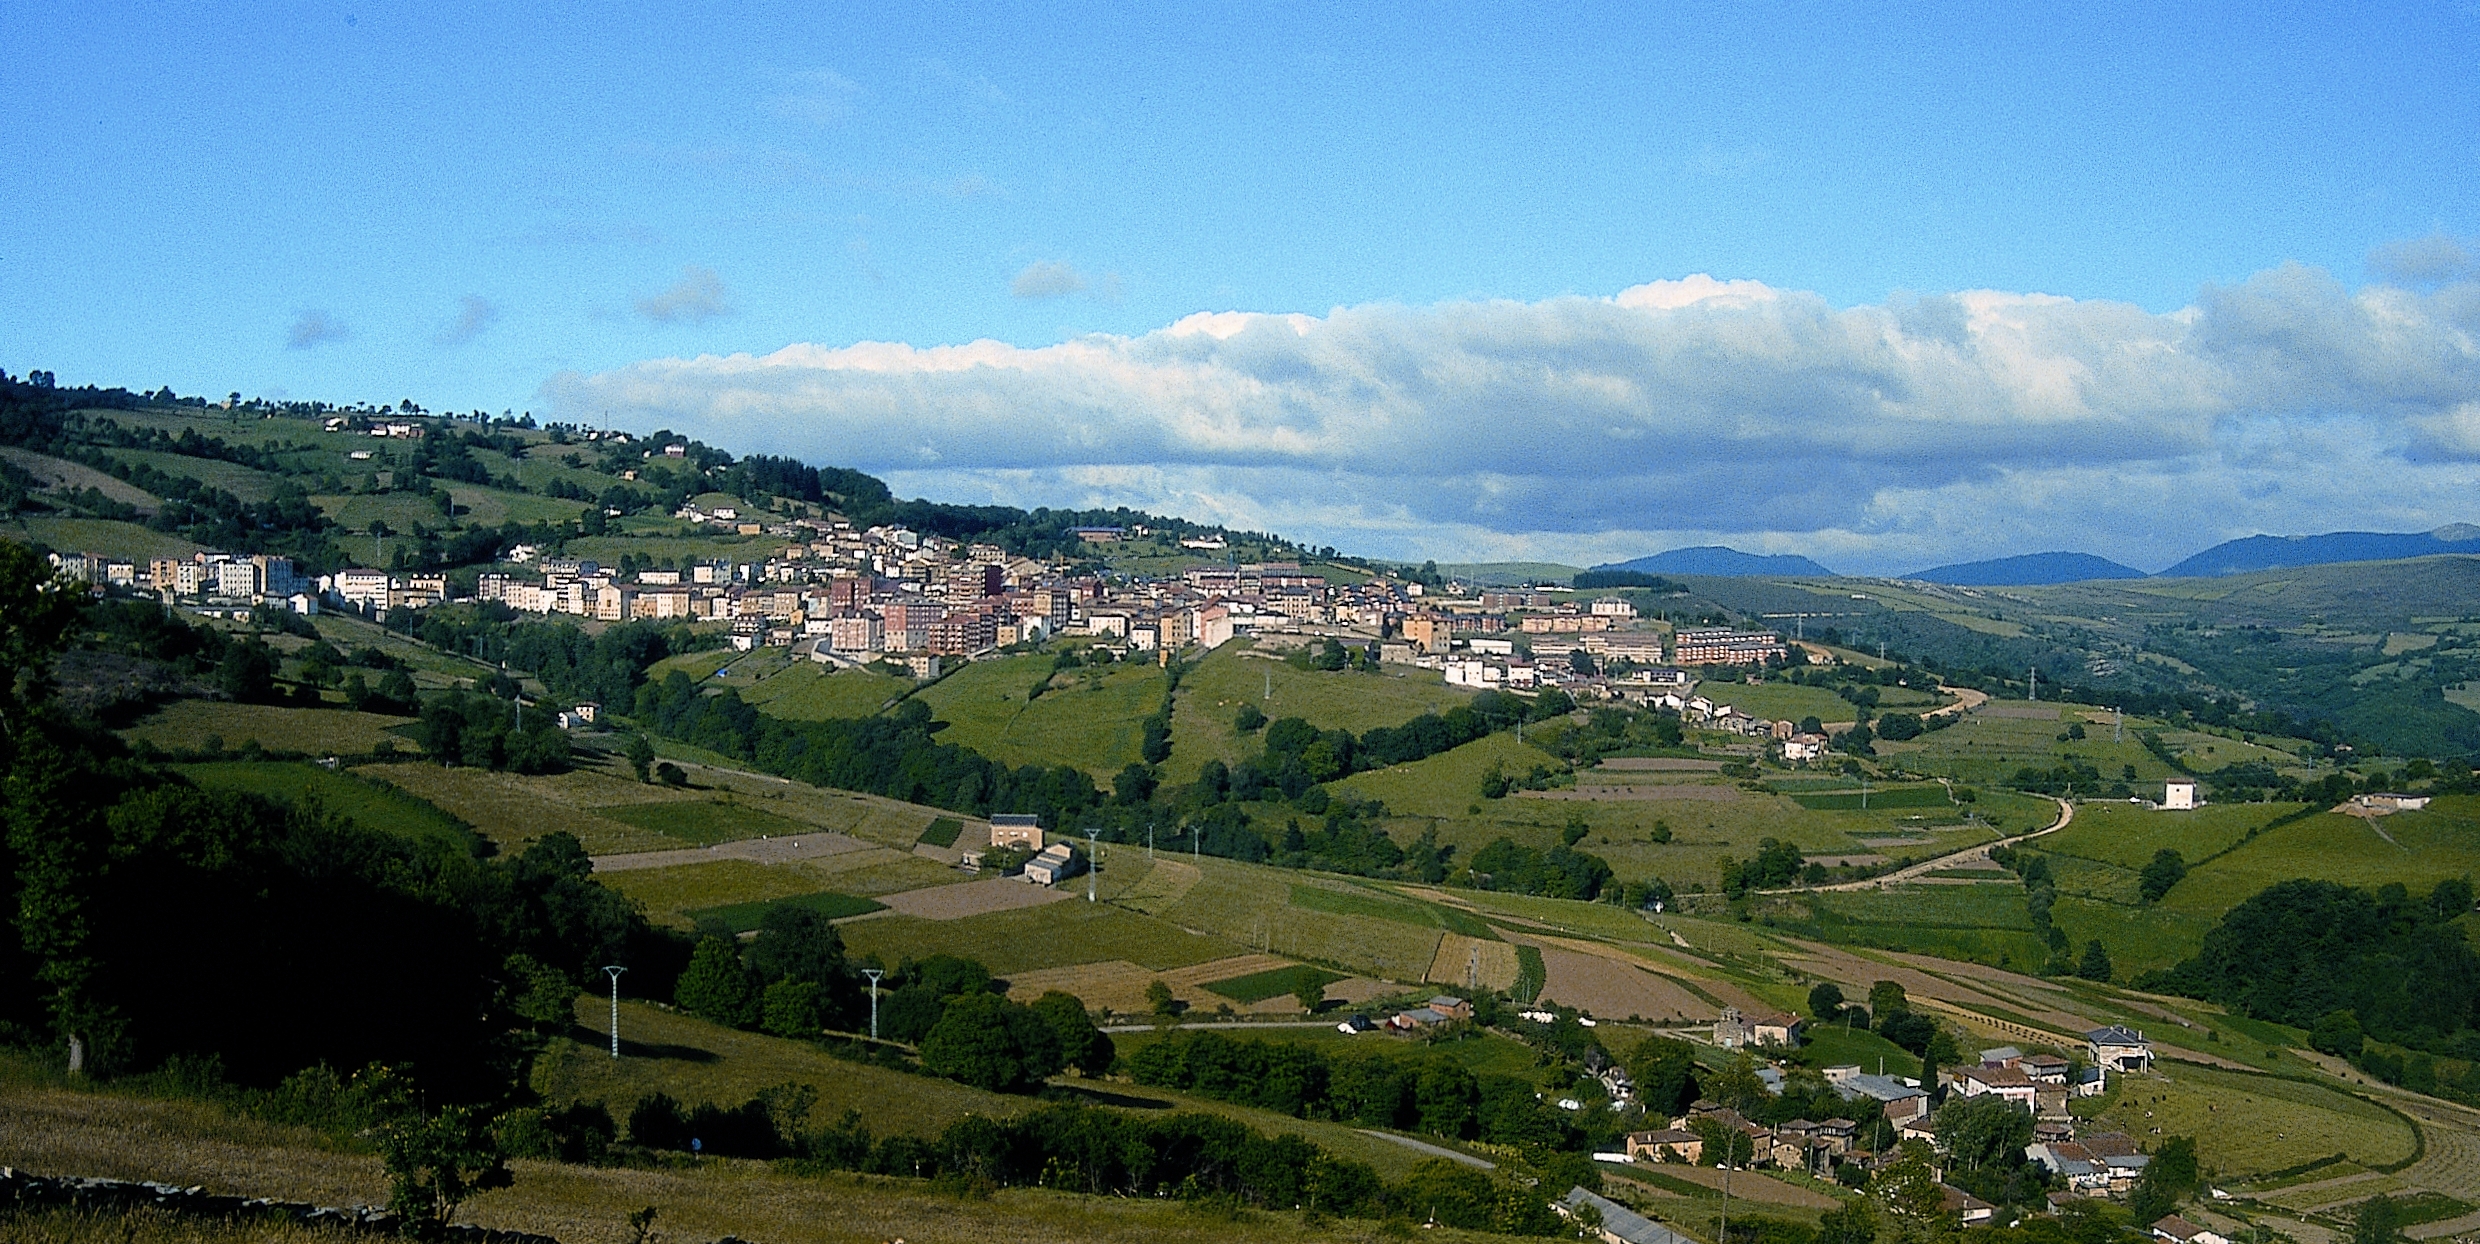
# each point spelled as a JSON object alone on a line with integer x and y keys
{"x": 697, "y": 297}
{"x": 1878, "y": 437}
{"x": 818, "y": 96}
{"x": 474, "y": 313}
{"x": 313, "y": 328}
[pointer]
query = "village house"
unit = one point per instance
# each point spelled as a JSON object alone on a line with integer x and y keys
{"x": 1774, "y": 1028}
{"x": 1670, "y": 1144}
{"x": 2177, "y": 1230}
{"x": 1056, "y": 863}
{"x": 2120, "y": 1049}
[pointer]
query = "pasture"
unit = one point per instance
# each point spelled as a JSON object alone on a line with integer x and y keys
{"x": 742, "y": 917}
{"x": 1990, "y": 744}
{"x": 100, "y": 536}
{"x": 2418, "y": 849}
{"x": 511, "y": 810}
{"x": 190, "y": 725}
{"x": 1049, "y": 936}
{"x": 1780, "y": 701}
{"x": 809, "y": 691}
{"x": 1092, "y": 720}
{"x": 369, "y": 803}
{"x": 1272, "y": 983}
{"x": 1253, "y": 906}
{"x": 1212, "y": 693}
{"x": 2249, "y": 1124}
{"x": 700, "y": 823}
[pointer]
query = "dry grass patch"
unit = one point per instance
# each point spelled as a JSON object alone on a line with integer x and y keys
{"x": 669, "y": 894}
{"x": 2249, "y": 1124}
{"x": 513, "y": 810}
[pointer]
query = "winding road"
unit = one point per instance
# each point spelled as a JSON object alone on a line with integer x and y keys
{"x": 2066, "y": 817}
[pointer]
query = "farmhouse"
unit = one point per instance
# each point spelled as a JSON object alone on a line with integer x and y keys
{"x": 1670, "y": 1144}
{"x": 2388, "y": 802}
{"x": 1776, "y": 1028}
{"x": 1899, "y": 1101}
{"x": 2178, "y": 1230}
{"x": 1016, "y": 829}
{"x": 2120, "y": 1049}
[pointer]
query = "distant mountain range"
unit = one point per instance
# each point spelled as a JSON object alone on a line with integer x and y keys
{"x": 1720, "y": 562}
{"x": 2275, "y": 552}
{"x": 2043, "y": 569}
{"x": 2028, "y": 570}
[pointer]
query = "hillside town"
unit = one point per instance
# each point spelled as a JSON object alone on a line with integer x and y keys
{"x": 891, "y": 597}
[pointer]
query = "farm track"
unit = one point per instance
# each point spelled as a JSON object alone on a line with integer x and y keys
{"x": 2066, "y": 817}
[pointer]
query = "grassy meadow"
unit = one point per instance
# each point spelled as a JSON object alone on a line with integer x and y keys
{"x": 1089, "y": 719}
{"x": 369, "y": 802}
{"x": 1212, "y": 693}
{"x": 190, "y": 725}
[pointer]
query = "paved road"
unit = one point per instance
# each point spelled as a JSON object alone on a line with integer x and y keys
{"x": 2066, "y": 817}
{"x": 1434, "y": 1151}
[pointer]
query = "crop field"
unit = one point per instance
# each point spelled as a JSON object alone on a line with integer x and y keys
{"x": 1091, "y": 725}
{"x": 808, "y": 691}
{"x": 1211, "y": 694}
{"x": 192, "y": 724}
{"x": 1345, "y": 900}
{"x": 2246, "y": 1124}
{"x": 1252, "y": 906}
{"x": 1049, "y": 936}
{"x": 1977, "y": 923}
{"x": 371, "y": 804}
{"x": 1272, "y": 983}
{"x": 699, "y": 824}
{"x": 742, "y": 917}
{"x": 1927, "y": 796}
{"x": 512, "y": 810}
{"x": 670, "y": 895}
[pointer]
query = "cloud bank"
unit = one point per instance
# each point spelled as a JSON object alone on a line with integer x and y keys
{"x": 1874, "y": 437}
{"x": 474, "y": 314}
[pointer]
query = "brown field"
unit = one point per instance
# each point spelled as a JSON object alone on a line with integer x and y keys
{"x": 1659, "y": 764}
{"x": 1605, "y": 982}
{"x": 977, "y": 898}
{"x": 1162, "y": 886}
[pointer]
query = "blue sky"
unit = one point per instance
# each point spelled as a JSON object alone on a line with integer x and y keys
{"x": 564, "y": 208}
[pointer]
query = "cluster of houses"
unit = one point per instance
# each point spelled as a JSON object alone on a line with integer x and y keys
{"x": 1443, "y": 1009}
{"x": 2088, "y": 1164}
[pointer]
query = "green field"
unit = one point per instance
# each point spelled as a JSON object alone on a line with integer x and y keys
{"x": 1211, "y": 695}
{"x": 1780, "y": 701}
{"x": 1832, "y": 1045}
{"x": 742, "y": 917}
{"x": 2127, "y": 835}
{"x": 1983, "y": 748}
{"x": 673, "y": 895}
{"x": 368, "y": 803}
{"x": 2250, "y": 1124}
{"x": 1091, "y": 725}
{"x": 943, "y": 832}
{"x": 187, "y": 725}
{"x": 1931, "y": 796}
{"x": 1375, "y": 904}
{"x": 808, "y": 691}
{"x": 1252, "y": 906}
{"x": 243, "y": 482}
{"x": 2426, "y": 847}
{"x": 1052, "y": 935}
{"x": 1273, "y": 983}
{"x": 701, "y": 824}
{"x": 94, "y": 535}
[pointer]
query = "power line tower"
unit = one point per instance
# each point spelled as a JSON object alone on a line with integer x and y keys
{"x": 873, "y": 974}
{"x": 1093, "y": 861}
{"x": 614, "y": 972}
{"x": 2035, "y": 684}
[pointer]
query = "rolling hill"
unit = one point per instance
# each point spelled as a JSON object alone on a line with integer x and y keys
{"x": 1721, "y": 562}
{"x": 2028, "y": 570}
{"x": 2275, "y": 552}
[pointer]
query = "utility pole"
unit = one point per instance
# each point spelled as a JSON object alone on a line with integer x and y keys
{"x": 2035, "y": 682}
{"x": 1093, "y": 861}
{"x": 874, "y": 974}
{"x": 614, "y": 972}
{"x": 1149, "y": 840}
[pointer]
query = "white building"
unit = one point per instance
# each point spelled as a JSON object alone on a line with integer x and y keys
{"x": 2178, "y": 796}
